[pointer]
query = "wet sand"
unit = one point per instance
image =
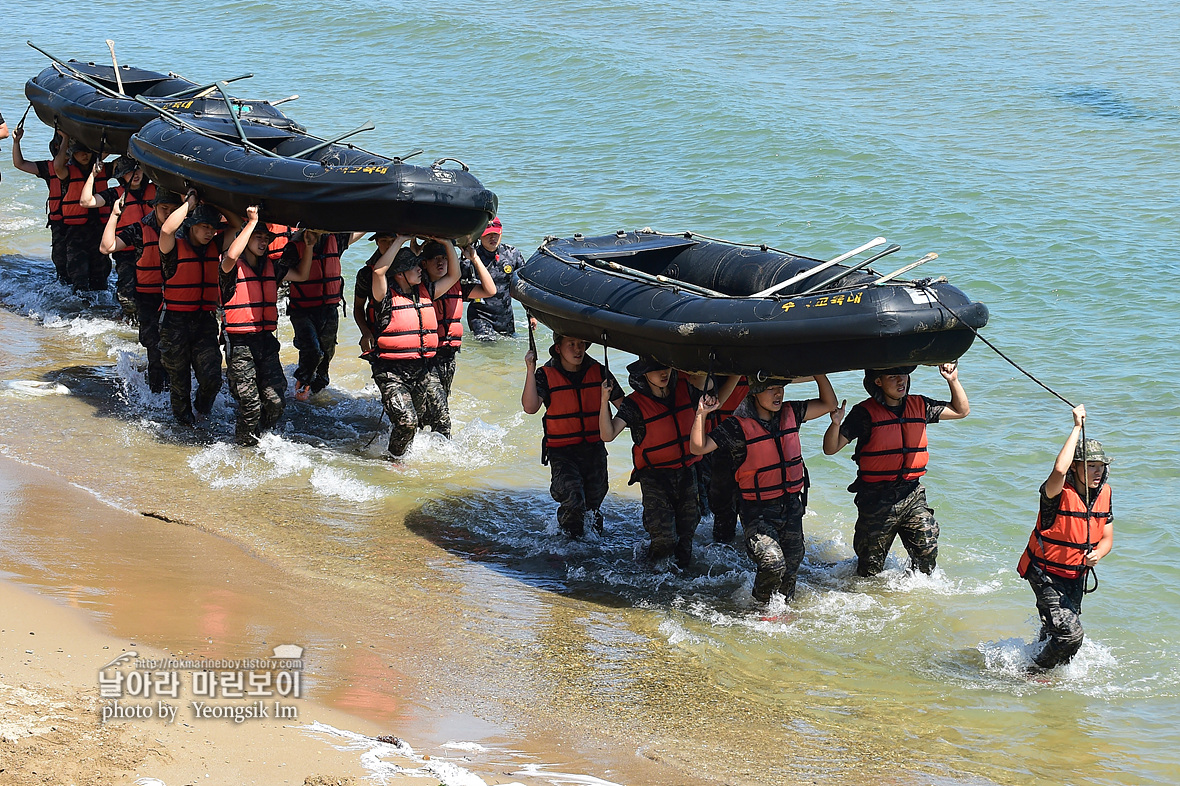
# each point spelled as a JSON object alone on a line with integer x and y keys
{"x": 93, "y": 581}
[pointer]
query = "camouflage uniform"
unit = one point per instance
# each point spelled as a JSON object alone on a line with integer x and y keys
{"x": 315, "y": 338}
{"x": 86, "y": 268}
{"x": 774, "y": 541}
{"x": 257, "y": 381}
{"x": 188, "y": 341}
{"x": 881, "y": 518}
{"x": 723, "y": 496}
{"x": 891, "y": 508}
{"x": 1059, "y": 604}
{"x": 411, "y": 395}
{"x": 671, "y": 500}
{"x": 147, "y": 306}
{"x": 578, "y": 485}
{"x": 442, "y": 370}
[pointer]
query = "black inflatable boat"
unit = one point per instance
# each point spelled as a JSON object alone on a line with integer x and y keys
{"x": 700, "y": 304}
{"x": 84, "y": 101}
{"x": 299, "y": 179}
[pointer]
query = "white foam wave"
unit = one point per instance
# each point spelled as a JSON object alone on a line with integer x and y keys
{"x": 335, "y": 482}
{"x": 31, "y": 387}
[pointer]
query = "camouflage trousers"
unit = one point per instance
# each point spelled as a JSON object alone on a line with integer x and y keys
{"x": 671, "y": 511}
{"x": 125, "y": 280}
{"x": 774, "y": 541}
{"x": 86, "y": 268}
{"x": 578, "y": 484}
{"x": 880, "y": 520}
{"x": 723, "y": 496}
{"x": 257, "y": 382}
{"x": 412, "y": 397}
{"x": 442, "y": 369}
{"x": 57, "y": 239}
{"x": 148, "y": 308}
{"x": 315, "y": 338}
{"x": 1059, "y": 603}
{"x": 188, "y": 343}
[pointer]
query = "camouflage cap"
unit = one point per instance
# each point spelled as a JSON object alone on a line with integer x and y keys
{"x": 403, "y": 260}
{"x": 760, "y": 385}
{"x": 1091, "y": 450}
{"x": 123, "y": 165}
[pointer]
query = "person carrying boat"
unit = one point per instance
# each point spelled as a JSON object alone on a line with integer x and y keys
{"x": 45, "y": 171}
{"x": 313, "y": 306}
{"x": 404, "y": 327}
{"x": 137, "y": 193}
{"x": 721, "y": 489}
{"x": 492, "y": 316}
{"x": 142, "y": 239}
{"x": 190, "y": 258}
{"x": 1074, "y": 530}
{"x": 761, "y": 442}
{"x": 889, "y": 428}
{"x": 660, "y": 414}
{"x": 569, "y": 385}
{"x": 249, "y": 285}
{"x": 87, "y": 268}
{"x": 436, "y": 258}
{"x": 362, "y": 290}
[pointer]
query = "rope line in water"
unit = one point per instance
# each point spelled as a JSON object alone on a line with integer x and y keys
{"x": 993, "y": 347}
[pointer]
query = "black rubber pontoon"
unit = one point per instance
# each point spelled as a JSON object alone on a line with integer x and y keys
{"x": 692, "y": 303}
{"x": 336, "y": 188}
{"x": 102, "y": 117}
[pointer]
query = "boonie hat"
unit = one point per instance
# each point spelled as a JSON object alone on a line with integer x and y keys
{"x": 404, "y": 260}
{"x": 432, "y": 249}
{"x": 77, "y": 147}
{"x": 204, "y": 214}
{"x": 123, "y": 165}
{"x": 165, "y": 197}
{"x": 645, "y": 365}
{"x": 1091, "y": 450}
{"x": 872, "y": 373}
{"x": 759, "y": 386}
{"x": 494, "y": 228}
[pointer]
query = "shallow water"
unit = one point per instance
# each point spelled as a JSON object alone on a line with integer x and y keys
{"x": 1032, "y": 148}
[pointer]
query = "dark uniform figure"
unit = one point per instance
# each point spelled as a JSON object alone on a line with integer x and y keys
{"x": 44, "y": 170}
{"x": 721, "y": 490}
{"x": 492, "y": 316}
{"x": 569, "y": 385}
{"x": 890, "y": 433}
{"x": 189, "y": 262}
{"x": 137, "y": 194}
{"x": 141, "y": 239}
{"x": 1074, "y": 530}
{"x": 87, "y": 268}
{"x": 403, "y": 326}
{"x": 314, "y": 309}
{"x": 660, "y": 414}
{"x": 249, "y": 283}
{"x": 761, "y": 443}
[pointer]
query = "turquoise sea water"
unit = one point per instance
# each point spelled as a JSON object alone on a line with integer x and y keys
{"x": 1034, "y": 149}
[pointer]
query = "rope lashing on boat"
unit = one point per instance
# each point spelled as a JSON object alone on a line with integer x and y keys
{"x": 528, "y": 318}
{"x": 924, "y": 285}
{"x": 710, "y": 381}
{"x": 21, "y": 124}
{"x": 605, "y": 357}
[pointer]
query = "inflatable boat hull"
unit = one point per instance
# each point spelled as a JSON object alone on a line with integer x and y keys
{"x": 337, "y": 189}
{"x": 856, "y": 326}
{"x": 102, "y": 121}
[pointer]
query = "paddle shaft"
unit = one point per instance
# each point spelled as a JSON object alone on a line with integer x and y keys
{"x": 368, "y": 126}
{"x": 859, "y": 266}
{"x": 115, "y": 63}
{"x": 818, "y": 268}
{"x": 883, "y": 279}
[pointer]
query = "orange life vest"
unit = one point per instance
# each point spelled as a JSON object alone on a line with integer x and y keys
{"x": 1060, "y": 546}
{"x": 324, "y": 282}
{"x": 73, "y": 214}
{"x": 149, "y": 279}
{"x": 282, "y": 237}
{"x": 774, "y": 461}
{"x": 254, "y": 305}
{"x": 667, "y": 426}
{"x": 56, "y": 191}
{"x": 896, "y": 448}
{"x": 728, "y": 407}
{"x": 449, "y": 309}
{"x": 135, "y": 207}
{"x": 412, "y": 332}
{"x": 572, "y": 415}
{"x": 193, "y": 287}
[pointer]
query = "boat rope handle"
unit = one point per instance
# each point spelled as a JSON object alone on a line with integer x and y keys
{"x": 438, "y": 164}
{"x": 528, "y": 318}
{"x": 21, "y": 124}
{"x": 605, "y": 357}
{"x": 925, "y": 287}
